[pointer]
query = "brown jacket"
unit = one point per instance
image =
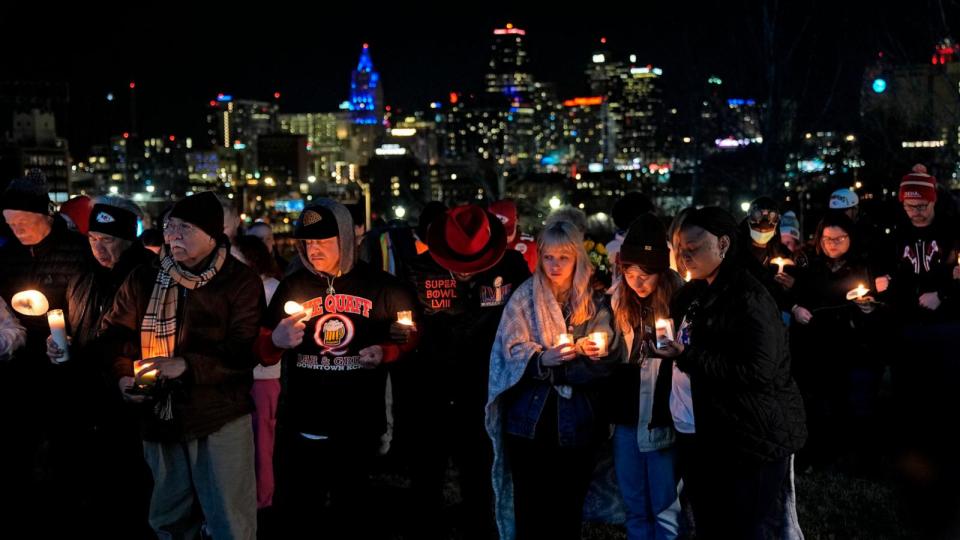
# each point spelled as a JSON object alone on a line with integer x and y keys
{"x": 216, "y": 329}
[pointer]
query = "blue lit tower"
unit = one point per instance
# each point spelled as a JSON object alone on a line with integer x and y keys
{"x": 366, "y": 94}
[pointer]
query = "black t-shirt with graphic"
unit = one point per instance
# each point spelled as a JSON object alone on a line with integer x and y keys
{"x": 325, "y": 389}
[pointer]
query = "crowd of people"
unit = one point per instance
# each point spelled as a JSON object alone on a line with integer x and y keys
{"x": 204, "y": 386}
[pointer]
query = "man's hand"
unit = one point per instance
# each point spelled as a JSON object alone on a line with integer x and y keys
{"x": 802, "y": 314}
{"x": 785, "y": 280}
{"x": 126, "y": 384}
{"x": 169, "y": 368}
{"x": 289, "y": 333}
{"x": 371, "y": 356}
{"x": 930, "y": 300}
{"x": 54, "y": 352}
{"x": 400, "y": 333}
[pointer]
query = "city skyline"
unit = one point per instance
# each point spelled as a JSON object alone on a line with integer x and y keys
{"x": 424, "y": 57}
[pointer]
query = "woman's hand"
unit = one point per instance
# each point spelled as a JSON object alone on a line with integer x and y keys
{"x": 588, "y": 348}
{"x": 668, "y": 348}
{"x": 558, "y": 355}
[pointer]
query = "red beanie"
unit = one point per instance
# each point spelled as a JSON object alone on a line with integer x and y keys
{"x": 918, "y": 185}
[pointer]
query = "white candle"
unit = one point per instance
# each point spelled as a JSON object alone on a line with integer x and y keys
{"x": 58, "y": 330}
{"x": 688, "y": 277}
{"x": 664, "y": 332}
{"x": 780, "y": 262}
{"x": 600, "y": 340}
{"x": 564, "y": 339}
{"x": 405, "y": 318}
{"x": 31, "y": 302}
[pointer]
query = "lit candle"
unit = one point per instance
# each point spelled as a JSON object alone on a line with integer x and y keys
{"x": 564, "y": 339}
{"x": 664, "y": 332}
{"x": 292, "y": 308}
{"x": 858, "y": 293}
{"x": 405, "y": 318}
{"x": 145, "y": 371}
{"x": 688, "y": 277}
{"x": 600, "y": 340}
{"x": 30, "y": 302}
{"x": 780, "y": 262}
{"x": 58, "y": 330}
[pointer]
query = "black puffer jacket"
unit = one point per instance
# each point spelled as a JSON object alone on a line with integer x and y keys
{"x": 48, "y": 267}
{"x": 744, "y": 399}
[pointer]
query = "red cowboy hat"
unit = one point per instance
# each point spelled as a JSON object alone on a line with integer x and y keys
{"x": 467, "y": 239}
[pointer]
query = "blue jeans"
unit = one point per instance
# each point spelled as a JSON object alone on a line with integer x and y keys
{"x": 648, "y": 484}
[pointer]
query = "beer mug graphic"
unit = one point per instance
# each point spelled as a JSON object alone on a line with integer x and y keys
{"x": 333, "y": 333}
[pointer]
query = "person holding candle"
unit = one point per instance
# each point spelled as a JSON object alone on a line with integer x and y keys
{"x": 925, "y": 303}
{"x": 639, "y": 388}
{"x": 44, "y": 255}
{"x": 540, "y": 410}
{"x": 840, "y": 400}
{"x": 761, "y": 247}
{"x": 95, "y": 440}
{"x": 627, "y": 209}
{"x": 741, "y": 414}
{"x": 463, "y": 284}
{"x": 334, "y": 355}
{"x": 194, "y": 316}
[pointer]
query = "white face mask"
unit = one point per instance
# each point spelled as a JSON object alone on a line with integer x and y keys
{"x": 762, "y": 238}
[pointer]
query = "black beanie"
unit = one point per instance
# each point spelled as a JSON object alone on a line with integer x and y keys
{"x": 645, "y": 245}
{"x": 28, "y": 194}
{"x": 114, "y": 221}
{"x": 316, "y": 223}
{"x": 203, "y": 210}
{"x": 714, "y": 220}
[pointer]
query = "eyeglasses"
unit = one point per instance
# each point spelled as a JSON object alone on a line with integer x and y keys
{"x": 918, "y": 208}
{"x": 182, "y": 229}
{"x": 835, "y": 240}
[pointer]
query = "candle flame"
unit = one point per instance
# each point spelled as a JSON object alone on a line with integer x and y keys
{"x": 292, "y": 308}
{"x": 30, "y": 302}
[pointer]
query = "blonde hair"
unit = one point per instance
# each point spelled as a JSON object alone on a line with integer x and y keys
{"x": 565, "y": 236}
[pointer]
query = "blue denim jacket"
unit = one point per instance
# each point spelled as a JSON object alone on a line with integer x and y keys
{"x": 576, "y": 423}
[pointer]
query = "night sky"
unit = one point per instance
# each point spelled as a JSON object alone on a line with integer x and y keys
{"x": 182, "y": 57}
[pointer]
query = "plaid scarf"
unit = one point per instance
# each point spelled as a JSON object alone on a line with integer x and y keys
{"x": 158, "y": 332}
